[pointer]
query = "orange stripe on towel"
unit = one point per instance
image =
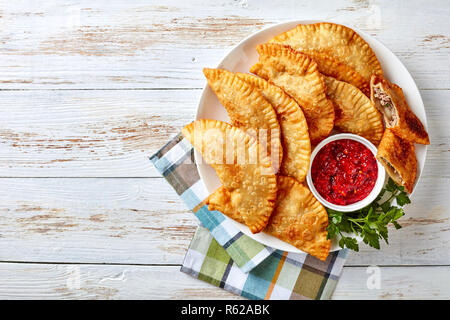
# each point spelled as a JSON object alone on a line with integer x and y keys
{"x": 275, "y": 276}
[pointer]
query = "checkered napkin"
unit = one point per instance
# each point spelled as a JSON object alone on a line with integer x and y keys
{"x": 282, "y": 275}
{"x": 226, "y": 257}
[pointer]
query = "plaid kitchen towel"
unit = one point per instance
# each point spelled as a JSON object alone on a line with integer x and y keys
{"x": 282, "y": 275}
{"x": 226, "y": 257}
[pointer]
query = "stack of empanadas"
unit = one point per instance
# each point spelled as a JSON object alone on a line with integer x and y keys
{"x": 299, "y": 77}
{"x": 309, "y": 80}
{"x": 338, "y": 51}
{"x": 250, "y": 193}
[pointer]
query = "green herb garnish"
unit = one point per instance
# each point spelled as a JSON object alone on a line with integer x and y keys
{"x": 369, "y": 222}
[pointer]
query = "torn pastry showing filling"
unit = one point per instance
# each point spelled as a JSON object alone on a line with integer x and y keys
{"x": 386, "y": 107}
{"x": 393, "y": 173}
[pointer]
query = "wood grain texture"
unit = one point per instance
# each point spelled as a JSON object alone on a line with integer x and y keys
{"x": 88, "y": 90}
{"x": 158, "y": 282}
{"x": 143, "y": 221}
{"x": 164, "y": 44}
{"x": 111, "y": 133}
{"x": 89, "y": 133}
{"x": 135, "y": 221}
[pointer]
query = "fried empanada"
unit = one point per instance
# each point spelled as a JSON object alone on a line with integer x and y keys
{"x": 248, "y": 109}
{"x": 220, "y": 200}
{"x": 390, "y": 100}
{"x": 298, "y": 76}
{"x": 299, "y": 219}
{"x": 338, "y": 50}
{"x": 249, "y": 179}
{"x": 354, "y": 111}
{"x": 294, "y": 129}
{"x": 398, "y": 156}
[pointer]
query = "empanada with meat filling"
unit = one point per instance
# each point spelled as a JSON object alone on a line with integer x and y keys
{"x": 398, "y": 157}
{"x": 390, "y": 100}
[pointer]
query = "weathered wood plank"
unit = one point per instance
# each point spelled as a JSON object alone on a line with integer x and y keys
{"x": 111, "y": 133}
{"x": 143, "y": 221}
{"x": 167, "y": 282}
{"x": 93, "y": 220}
{"x": 165, "y": 44}
{"x": 101, "y": 282}
{"x": 407, "y": 283}
{"x": 89, "y": 133}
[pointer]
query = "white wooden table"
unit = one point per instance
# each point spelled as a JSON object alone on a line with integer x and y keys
{"x": 88, "y": 90}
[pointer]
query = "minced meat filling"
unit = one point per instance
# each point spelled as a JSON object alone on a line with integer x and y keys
{"x": 392, "y": 171}
{"x": 387, "y": 109}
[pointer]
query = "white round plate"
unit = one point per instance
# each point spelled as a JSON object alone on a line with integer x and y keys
{"x": 244, "y": 55}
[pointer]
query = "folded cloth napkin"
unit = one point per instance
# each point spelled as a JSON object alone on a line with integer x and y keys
{"x": 282, "y": 275}
{"x": 226, "y": 257}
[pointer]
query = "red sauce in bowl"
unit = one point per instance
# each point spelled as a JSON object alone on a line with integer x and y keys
{"x": 344, "y": 171}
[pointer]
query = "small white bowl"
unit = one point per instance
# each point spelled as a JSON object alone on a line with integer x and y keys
{"x": 378, "y": 184}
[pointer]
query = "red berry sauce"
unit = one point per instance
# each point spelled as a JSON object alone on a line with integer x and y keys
{"x": 344, "y": 171}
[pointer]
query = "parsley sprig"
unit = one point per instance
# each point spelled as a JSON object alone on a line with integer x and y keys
{"x": 370, "y": 222}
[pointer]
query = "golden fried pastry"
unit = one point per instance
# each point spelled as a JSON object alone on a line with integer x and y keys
{"x": 399, "y": 159}
{"x": 220, "y": 200}
{"x": 249, "y": 179}
{"x": 390, "y": 100}
{"x": 294, "y": 129}
{"x": 298, "y": 76}
{"x": 248, "y": 109}
{"x": 299, "y": 219}
{"x": 354, "y": 111}
{"x": 338, "y": 50}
